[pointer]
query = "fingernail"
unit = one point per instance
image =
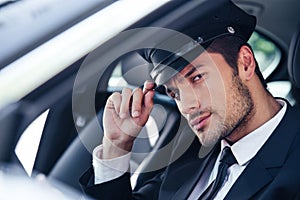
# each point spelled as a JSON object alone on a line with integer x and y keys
{"x": 152, "y": 83}
{"x": 135, "y": 114}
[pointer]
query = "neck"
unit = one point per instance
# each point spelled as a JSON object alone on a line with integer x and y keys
{"x": 265, "y": 107}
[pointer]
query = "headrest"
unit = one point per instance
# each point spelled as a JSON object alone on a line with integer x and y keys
{"x": 214, "y": 19}
{"x": 294, "y": 58}
{"x": 135, "y": 70}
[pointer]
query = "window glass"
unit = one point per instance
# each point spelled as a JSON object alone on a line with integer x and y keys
{"x": 266, "y": 52}
{"x": 116, "y": 80}
{"x": 28, "y": 144}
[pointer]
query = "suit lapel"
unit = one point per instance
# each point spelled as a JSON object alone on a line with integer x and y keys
{"x": 195, "y": 171}
{"x": 272, "y": 155}
{"x": 254, "y": 177}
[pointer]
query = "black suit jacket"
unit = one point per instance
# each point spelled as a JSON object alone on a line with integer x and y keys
{"x": 274, "y": 172}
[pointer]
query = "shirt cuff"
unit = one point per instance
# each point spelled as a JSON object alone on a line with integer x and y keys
{"x": 106, "y": 170}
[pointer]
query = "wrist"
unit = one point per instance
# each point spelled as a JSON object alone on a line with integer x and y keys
{"x": 115, "y": 148}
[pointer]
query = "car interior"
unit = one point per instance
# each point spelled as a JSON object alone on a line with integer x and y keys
{"x": 73, "y": 99}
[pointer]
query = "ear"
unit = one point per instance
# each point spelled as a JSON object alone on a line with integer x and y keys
{"x": 246, "y": 63}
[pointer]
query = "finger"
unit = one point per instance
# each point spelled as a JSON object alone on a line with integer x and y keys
{"x": 137, "y": 99}
{"x": 124, "y": 108}
{"x": 148, "y": 100}
{"x": 114, "y": 102}
{"x": 148, "y": 86}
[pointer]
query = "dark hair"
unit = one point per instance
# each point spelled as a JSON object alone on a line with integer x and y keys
{"x": 229, "y": 47}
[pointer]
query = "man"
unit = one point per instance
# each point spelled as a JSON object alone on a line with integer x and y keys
{"x": 224, "y": 99}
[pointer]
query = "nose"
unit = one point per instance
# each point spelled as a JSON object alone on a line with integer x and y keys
{"x": 189, "y": 101}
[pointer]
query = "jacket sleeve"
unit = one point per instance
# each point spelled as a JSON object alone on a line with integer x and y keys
{"x": 120, "y": 188}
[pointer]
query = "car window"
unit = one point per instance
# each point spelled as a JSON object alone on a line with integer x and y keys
{"x": 267, "y": 53}
{"x": 116, "y": 80}
{"x": 28, "y": 144}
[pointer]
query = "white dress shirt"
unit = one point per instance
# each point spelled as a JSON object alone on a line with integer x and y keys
{"x": 106, "y": 170}
{"x": 243, "y": 150}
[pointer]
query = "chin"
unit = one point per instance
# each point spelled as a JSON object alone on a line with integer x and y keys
{"x": 206, "y": 141}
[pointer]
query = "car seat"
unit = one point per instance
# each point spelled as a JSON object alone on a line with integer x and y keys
{"x": 294, "y": 64}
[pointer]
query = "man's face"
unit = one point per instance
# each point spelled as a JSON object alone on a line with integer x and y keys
{"x": 211, "y": 97}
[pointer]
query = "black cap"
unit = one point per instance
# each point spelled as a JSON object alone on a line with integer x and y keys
{"x": 215, "y": 18}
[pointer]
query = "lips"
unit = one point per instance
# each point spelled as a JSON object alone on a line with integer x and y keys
{"x": 200, "y": 121}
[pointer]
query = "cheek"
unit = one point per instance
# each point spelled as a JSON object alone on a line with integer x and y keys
{"x": 179, "y": 106}
{"x": 217, "y": 91}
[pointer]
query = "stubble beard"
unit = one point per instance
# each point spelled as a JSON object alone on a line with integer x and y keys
{"x": 240, "y": 110}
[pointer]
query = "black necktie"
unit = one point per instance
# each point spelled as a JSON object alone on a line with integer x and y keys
{"x": 227, "y": 159}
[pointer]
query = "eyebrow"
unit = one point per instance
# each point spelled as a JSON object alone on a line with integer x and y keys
{"x": 192, "y": 70}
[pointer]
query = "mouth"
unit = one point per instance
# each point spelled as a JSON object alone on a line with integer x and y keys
{"x": 199, "y": 122}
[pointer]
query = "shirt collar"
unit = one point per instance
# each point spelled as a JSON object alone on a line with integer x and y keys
{"x": 247, "y": 147}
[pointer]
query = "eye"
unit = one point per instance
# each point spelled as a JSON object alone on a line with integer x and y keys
{"x": 197, "y": 77}
{"x": 173, "y": 94}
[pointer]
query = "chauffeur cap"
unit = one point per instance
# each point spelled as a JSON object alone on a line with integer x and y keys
{"x": 214, "y": 19}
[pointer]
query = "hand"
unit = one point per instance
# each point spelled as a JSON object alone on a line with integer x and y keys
{"x": 124, "y": 116}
